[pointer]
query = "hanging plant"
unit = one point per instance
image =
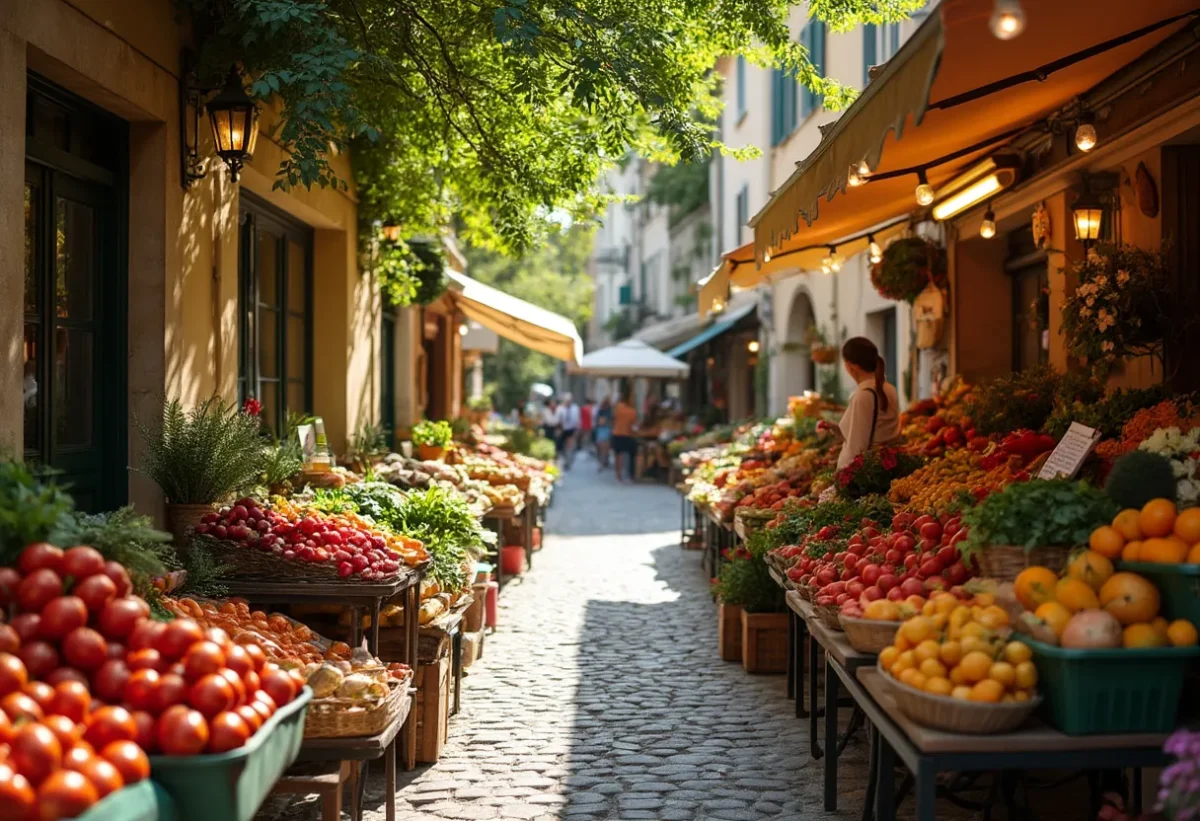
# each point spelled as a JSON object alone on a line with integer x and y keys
{"x": 907, "y": 267}
{"x": 411, "y": 272}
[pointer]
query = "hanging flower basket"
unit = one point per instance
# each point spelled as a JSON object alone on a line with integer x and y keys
{"x": 907, "y": 267}
{"x": 823, "y": 354}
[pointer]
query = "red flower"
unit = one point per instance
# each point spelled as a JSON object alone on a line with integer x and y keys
{"x": 251, "y": 407}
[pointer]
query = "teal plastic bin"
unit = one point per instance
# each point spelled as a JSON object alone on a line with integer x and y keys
{"x": 1111, "y": 691}
{"x": 1179, "y": 585}
{"x": 232, "y": 786}
{"x": 144, "y": 801}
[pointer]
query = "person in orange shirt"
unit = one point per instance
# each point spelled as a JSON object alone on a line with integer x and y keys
{"x": 623, "y": 444}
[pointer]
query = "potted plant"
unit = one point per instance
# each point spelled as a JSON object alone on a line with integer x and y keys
{"x": 201, "y": 457}
{"x": 819, "y": 348}
{"x": 1033, "y": 523}
{"x": 751, "y": 601}
{"x": 478, "y": 408}
{"x": 431, "y": 439}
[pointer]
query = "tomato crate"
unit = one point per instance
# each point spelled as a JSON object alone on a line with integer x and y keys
{"x": 1119, "y": 690}
{"x": 144, "y": 801}
{"x": 232, "y": 786}
{"x": 1179, "y": 585}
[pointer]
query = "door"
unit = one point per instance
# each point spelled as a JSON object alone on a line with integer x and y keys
{"x": 387, "y": 374}
{"x": 890, "y": 350}
{"x": 1027, "y": 266}
{"x": 75, "y": 390}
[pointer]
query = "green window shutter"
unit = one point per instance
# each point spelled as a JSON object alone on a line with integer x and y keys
{"x": 777, "y": 129}
{"x": 813, "y": 38}
{"x": 870, "y": 51}
{"x": 741, "y": 85}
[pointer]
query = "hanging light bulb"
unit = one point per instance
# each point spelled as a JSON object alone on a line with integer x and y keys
{"x": 924, "y": 189}
{"x": 1008, "y": 19}
{"x": 766, "y": 256}
{"x": 826, "y": 265}
{"x": 855, "y": 177}
{"x": 987, "y": 228}
{"x": 875, "y": 250}
{"x": 1085, "y": 132}
{"x": 835, "y": 262}
{"x": 463, "y": 330}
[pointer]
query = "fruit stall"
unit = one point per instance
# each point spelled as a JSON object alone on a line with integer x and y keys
{"x": 992, "y": 595}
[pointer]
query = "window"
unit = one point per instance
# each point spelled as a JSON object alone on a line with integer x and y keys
{"x": 740, "y": 82}
{"x": 275, "y": 307}
{"x": 813, "y": 39}
{"x": 742, "y": 206}
{"x": 783, "y": 105}
{"x": 870, "y": 51}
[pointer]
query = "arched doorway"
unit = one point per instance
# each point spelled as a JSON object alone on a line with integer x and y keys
{"x": 795, "y": 372}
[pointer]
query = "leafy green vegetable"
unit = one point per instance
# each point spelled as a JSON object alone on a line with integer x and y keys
{"x": 1039, "y": 513}
{"x": 31, "y": 509}
{"x": 843, "y": 513}
{"x": 745, "y": 579}
{"x": 450, "y": 532}
{"x": 125, "y": 537}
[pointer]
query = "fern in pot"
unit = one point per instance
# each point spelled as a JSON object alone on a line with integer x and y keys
{"x": 200, "y": 458}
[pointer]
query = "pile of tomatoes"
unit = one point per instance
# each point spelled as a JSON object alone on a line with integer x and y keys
{"x": 90, "y": 684}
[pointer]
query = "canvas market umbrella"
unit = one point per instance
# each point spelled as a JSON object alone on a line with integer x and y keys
{"x": 629, "y": 359}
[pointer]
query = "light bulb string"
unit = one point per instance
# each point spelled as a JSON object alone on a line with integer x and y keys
{"x": 867, "y": 235}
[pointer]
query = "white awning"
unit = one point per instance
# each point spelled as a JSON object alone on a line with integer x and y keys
{"x": 632, "y": 357}
{"x": 515, "y": 319}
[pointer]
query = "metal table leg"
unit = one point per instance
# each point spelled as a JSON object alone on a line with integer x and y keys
{"x": 831, "y": 736}
{"x": 527, "y": 540}
{"x": 814, "y": 746}
{"x": 798, "y": 650}
{"x": 926, "y": 778}
{"x": 499, "y": 570}
{"x": 872, "y": 774}
{"x": 456, "y": 668}
{"x": 791, "y": 652}
{"x": 373, "y": 635}
{"x": 885, "y": 781}
{"x": 389, "y": 782}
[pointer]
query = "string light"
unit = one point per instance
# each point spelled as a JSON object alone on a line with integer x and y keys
{"x": 826, "y": 265}
{"x": 766, "y": 256}
{"x": 1008, "y": 19}
{"x": 752, "y": 346}
{"x": 463, "y": 329}
{"x": 876, "y": 251}
{"x": 835, "y": 262}
{"x": 924, "y": 189}
{"x": 1085, "y": 132}
{"x": 987, "y": 228}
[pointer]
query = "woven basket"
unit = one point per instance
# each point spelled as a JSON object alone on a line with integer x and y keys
{"x": 343, "y": 718}
{"x": 1004, "y": 562}
{"x": 957, "y": 716}
{"x": 182, "y": 518}
{"x": 806, "y": 591}
{"x": 869, "y": 635}
{"x": 250, "y": 563}
{"x": 829, "y": 615}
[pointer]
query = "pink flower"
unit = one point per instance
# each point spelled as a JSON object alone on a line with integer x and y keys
{"x": 251, "y": 407}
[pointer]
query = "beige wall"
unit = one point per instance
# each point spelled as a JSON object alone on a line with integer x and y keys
{"x": 124, "y": 56}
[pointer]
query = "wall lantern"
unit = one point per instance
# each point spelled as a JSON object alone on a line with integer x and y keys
{"x": 233, "y": 117}
{"x": 752, "y": 346}
{"x": 1087, "y": 213}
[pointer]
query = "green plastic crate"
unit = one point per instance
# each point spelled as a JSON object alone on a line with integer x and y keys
{"x": 232, "y": 786}
{"x": 1179, "y": 585}
{"x": 1111, "y": 691}
{"x": 144, "y": 801}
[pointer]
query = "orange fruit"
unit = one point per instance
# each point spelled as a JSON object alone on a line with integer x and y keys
{"x": 913, "y": 678}
{"x": 1107, "y": 541}
{"x": 957, "y": 677}
{"x": 1132, "y": 552}
{"x": 1004, "y": 673}
{"x": 1091, "y": 567}
{"x": 975, "y": 666}
{"x": 1193, "y": 556}
{"x": 1157, "y": 517}
{"x": 887, "y": 657}
{"x": 1187, "y": 525}
{"x": 993, "y": 617}
{"x": 939, "y": 686}
{"x": 1027, "y": 675}
{"x": 1182, "y": 633}
{"x": 1126, "y": 523}
{"x": 1075, "y": 595}
{"x": 962, "y": 692}
{"x": 950, "y": 653}
{"x": 1021, "y": 695}
{"x": 1163, "y": 551}
{"x": 988, "y": 690}
{"x": 1035, "y": 585}
{"x": 1054, "y": 615}
{"x": 1142, "y": 635}
{"x": 1016, "y": 652}
{"x": 932, "y": 668}
{"x": 916, "y": 629}
{"x": 1130, "y": 598}
{"x": 927, "y": 649}
{"x": 1160, "y": 625}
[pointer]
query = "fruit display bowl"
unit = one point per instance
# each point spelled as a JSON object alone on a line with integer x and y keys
{"x": 869, "y": 635}
{"x": 955, "y": 715}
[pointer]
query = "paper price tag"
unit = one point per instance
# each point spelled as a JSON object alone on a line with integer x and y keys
{"x": 1071, "y": 451}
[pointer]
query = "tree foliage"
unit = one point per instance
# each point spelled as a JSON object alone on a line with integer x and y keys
{"x": 498, "y": 110}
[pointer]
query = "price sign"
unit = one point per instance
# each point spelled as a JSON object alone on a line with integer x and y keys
{"x": 308, "y": 442}
{"x": 1070, "y": 452}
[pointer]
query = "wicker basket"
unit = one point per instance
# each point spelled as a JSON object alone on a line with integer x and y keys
{"x": 344, "y": 718}
{"x": 182, "y": 518}
{"x": 806, "y": 591}
{"x": 829, "y": 615}
{"x": 869, "y": 635}
{"x": 957, "y": 716}
{"x": 1004, "y": 562}
{"x": 250, "y": 563}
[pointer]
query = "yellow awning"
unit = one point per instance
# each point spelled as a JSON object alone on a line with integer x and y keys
{"x": 515, "y": 319}
{"x": 924, "y": 106}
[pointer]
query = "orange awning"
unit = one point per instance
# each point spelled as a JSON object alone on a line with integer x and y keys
{"x": 911, "y": 114}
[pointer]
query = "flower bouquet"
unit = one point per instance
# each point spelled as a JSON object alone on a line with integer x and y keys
{"x": 1182, "y": 450}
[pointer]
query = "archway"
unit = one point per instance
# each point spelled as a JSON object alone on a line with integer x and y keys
{"x": 794, "y": 372}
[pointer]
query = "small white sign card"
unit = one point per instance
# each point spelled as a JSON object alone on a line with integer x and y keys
{"x": 307, "y": 435}
{"x": 1068, "y": 455}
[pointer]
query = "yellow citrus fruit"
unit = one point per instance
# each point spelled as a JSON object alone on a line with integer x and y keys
{"x": 956, "y": 675}
{"x": 1142, "y": 635}
{"x": 974, "y": 630}
{"x": 1160, "y": 625}
{"x": 932, "y": 668}
{"x": 1035, "y": 585}
{"x": 1107, "y": 541}
{"x": 1182, "y": 633}
{"x": 985, "y": 599}
{"x": 961, "y": 692}
{"x": 914, "y": 678}
{"x": 1187, "y": 525}
{"x": 1091, "y": 567}
{"x": 927, "y": 609}
{"x": 1170, "y": 550}
{"x": 993, "y": 617}
{"x": 1157, "y": 517}
{"x": 927, "y": 649}
{"x": 1131, "y": 552}
{"x": 938, "y": 685}
{"x": 938, "y": 620}
{"x": 901, "y": 643}
{"x": 916, "y": 630}
{"x": 950, "y": 653}
{"x": 1126, "y": 523}
{"x": 972, "y": 644}
{"x": 1021, "y": 695}
{"x": 1075, "y": 595}
{"x": 1027, "y": 675}
{"x": 945, "y": 604}
{"x": 975, "y": 666}
{"x": 888, "y": 656}
{"x": 988, "y": 690}
{"x": 1016, "y": 652}
{"x": 1003, "y": 672}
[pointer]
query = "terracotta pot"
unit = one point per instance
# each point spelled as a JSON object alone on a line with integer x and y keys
{"x": 430, "y": 453}
{"x": 182, "y": 518}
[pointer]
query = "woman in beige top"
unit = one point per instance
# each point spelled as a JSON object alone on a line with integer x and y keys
{"x": 873, "y": 415}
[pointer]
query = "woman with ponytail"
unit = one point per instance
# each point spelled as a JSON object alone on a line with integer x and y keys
{"x": 873, "y": 415}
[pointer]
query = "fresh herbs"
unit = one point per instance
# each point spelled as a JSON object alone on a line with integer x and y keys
{"x": 450, "y": 532}
{"x": 281, "y": 461}
{"x": 1022, "y": 400}
{"x": 123, "y": 536}
{"x": 801, "y": 521}
{"x": 745, "y": 579}
{"x": 1039, "y": 513}
{"x": 31, "y": 509}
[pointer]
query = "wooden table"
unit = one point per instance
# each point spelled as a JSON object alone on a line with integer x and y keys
{"x": 529, "y": 522}
{"x": 498, "y": 516}
{"x": 927, "y": 752}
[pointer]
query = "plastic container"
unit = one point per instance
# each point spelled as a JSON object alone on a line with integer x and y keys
{"x": 144, "y": 801}
{"x": 1179, "y": 585}
{"x": 492, "y": 606}
{"x": 512, "y": 559}
{"x": 232, "y": 786}
{"x": 1111, "y": 691}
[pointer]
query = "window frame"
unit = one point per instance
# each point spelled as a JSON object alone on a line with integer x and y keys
{"x": 740, "y": 87}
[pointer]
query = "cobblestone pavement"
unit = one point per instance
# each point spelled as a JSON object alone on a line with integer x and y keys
{"x": 601, "y": 696}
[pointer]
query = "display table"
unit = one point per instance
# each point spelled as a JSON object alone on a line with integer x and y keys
{"x": 497, "y": 517}
{"x": 529, "y": 522}
{"x": 926, "y": 752}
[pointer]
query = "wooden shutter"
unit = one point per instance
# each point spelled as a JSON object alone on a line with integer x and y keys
{"x": 870, "y": 50}
{"x": 813, "y": 38}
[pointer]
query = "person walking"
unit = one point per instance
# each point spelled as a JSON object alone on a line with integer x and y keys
{"x": 551, "y": 417}
{"x": 585, "y": 424}
{"x": 873, "y": 413}
{"x": 624, "y": 445}
{"x": 603, "y": 419}
{"x": 572, "y": 418}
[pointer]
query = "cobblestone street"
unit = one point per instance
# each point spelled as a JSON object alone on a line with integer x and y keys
{"x": 601, "y": 695}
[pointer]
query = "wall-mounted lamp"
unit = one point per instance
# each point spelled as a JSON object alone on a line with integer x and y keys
{"x": 463, "y": 329}
{"x": 233, "y": 117}
{"x": 976, "y": 185}
{"x": 752, "y": 346}
{"x": 1087, "y": 213}
{"x": 874, "y": 249}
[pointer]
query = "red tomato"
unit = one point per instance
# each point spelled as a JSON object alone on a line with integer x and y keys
{"x": 120, "y": 577}
{"x": 139, "y": 690}
{"x": 81, "y": 562}
{"x": 264, "y": 709}
{"x": 41, "y": 692}
{"x": 62, "y": 674}
{"x": 18, "y": 706}
{"x": 145, "y": 635}
{"x": 227, "y": 731}
{"x": 201, "y": 659}
{"x": 40, "y": 555}
{"x": 71, "y": 699}
{"x": 279, "y": 686}
{"x": 27, "y": 625}
{"x": 145, "y": 731}
{"x": 145, "y": 659}
{"x": 36, "y": 752}
{"x": 119, "y": 616}
{"x": 9, "y": 580}
{"x": 6, "y": 729}
{"x": 182, "y": 731}
{"x": 116, "y": 650}
{"x": 212, "y": 694}
{"x": 177, "y": 637}
{"x": 85, "y": 648}
{"x": 64, "y": 729}
{"x": 217, "y": 636}
{"x": 65, "y": 794}
{"x": 238, "y": 660}
{"x": 171, "y": 690}
{"x": 253, "y": 683}
{"x": 109, "y": 724}
{"x": 80, "y": 754}
{"x": 17, "y": 798}
{"x": 95, "y": 592}
{"x": 251, "y": 717}
{"x": 129, "y": 759}
{"x": 37, "y": 589}
{"x": 109, "y": 681}
{"x": 239, "y": 687}
{"x": 9, "y": 640}
{"x": 13, "y": 674}
{"x": 39, "y": 657}
{"x": 104, "y": 776}
{"x": 62, "y": 615}
{"x": 256, "y": 654}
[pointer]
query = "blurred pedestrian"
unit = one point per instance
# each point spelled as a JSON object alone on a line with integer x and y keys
{"x": 624, "y": 445}
{"x": 604, "y": 419}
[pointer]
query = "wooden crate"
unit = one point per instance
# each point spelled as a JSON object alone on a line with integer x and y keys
{"x": 472, "y": 643}
{"x": 474, "y": 614}
{"x": 432, "y": 710}
{"x": 764, "y": 642}
{"x": 729, "y": 632}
